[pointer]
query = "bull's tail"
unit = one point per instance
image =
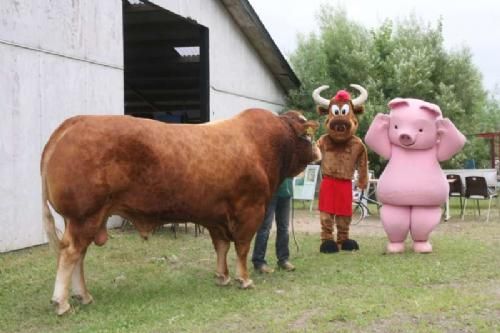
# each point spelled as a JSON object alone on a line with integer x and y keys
{"x": 54, "y": 235}
{"x": 49, "y": 222}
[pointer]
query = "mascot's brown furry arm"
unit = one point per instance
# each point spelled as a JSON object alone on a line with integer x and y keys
{"x": 343, "y": 153}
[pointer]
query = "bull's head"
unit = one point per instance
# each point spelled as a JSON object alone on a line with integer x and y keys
{"x": 305, "y": 151}
{"x": 341, "y": 123}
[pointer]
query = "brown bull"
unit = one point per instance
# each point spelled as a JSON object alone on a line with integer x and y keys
{"x": 220, "y": 175}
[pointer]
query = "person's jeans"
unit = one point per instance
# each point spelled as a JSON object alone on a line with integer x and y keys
{"x": 279, "y": 207}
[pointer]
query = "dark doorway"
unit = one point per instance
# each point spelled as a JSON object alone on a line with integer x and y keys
{"x": 166, "y": 65}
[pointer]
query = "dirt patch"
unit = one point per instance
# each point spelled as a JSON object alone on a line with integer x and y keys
{"x": 301, "y": 323}
{"x": 309, "y": 222}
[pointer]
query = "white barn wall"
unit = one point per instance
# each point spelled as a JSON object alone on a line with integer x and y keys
{"x": 239, "y": 79}
{"x": 62, "y": 58}
{"x": 58, "y": 59}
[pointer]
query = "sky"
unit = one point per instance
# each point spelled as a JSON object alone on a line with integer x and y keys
{"x": 475, "y": 24}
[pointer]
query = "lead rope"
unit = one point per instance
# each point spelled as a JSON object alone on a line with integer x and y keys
{"x": 293, "y": 225}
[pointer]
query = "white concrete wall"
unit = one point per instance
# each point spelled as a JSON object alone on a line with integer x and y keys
{"x": 58, "y": 59}
{"x": 239, "y": 79}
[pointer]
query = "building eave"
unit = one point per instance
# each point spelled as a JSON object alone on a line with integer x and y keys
{"x": 250, "y": 24}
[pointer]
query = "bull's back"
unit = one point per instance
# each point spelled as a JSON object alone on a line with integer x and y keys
{"x": 143, "y": 168}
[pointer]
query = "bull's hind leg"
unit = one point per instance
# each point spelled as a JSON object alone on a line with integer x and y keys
{"x": 221, "y": 245}
{"x": 80, "y": 291}
{"x": 72, "y": 250}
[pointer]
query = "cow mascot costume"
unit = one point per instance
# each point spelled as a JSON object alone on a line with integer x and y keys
{"x": 343, "y": 153}
{"x": 414, "y": 137}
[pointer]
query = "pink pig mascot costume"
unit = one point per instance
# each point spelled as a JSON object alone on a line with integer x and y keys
{"x": 414, "y": 137}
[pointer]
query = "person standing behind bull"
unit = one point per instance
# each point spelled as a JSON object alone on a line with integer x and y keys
{"x": 279, "y": 207}
{"x": 343, "y": 152}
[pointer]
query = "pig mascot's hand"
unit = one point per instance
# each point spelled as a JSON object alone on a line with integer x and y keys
{"x": 450, "y": 139}
{"x": 377, "y": 137}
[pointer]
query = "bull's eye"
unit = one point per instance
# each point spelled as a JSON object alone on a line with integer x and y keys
{"x": 420, "y": 130}
{"x": 345, "y": 109}
{"x": 335, "y": 109}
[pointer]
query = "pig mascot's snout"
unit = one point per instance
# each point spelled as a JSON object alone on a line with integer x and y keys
{"x": 406, "y": 140}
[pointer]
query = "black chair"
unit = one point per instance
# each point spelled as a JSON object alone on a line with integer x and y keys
{"x": 456, "y": 189}
{"x": 477, "y": 189}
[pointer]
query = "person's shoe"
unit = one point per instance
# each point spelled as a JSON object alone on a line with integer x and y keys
{"x": 264, "y": 269}
{"x": 286, "y": 266}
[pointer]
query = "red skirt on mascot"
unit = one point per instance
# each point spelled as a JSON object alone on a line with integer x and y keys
{"x": 335, "y": 196}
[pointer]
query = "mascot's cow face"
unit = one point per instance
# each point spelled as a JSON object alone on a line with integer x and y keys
{"x": 341, "y": 123}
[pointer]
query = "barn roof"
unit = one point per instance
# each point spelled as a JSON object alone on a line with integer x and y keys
{"x": 249, "y": 22}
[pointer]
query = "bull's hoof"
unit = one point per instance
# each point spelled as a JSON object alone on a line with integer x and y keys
{"x": 83, "y": 299}
{"x": 61, "y": 307}
{"x": 422, "y": 247}
{"x": 246, "y": 284}
{"x": 328, "y": 246}
{"x": 395, "y": 248}
{"x": 222, "y": 280}
{"x": 350, "y": 245}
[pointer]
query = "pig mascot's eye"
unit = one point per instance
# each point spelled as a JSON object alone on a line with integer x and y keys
{"x": 345, "y": 109}
{"x": 396, "y": 126}
{"x": 335, "y": 110}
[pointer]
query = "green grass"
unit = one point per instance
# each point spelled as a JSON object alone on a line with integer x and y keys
{"x": 167, "y": 285}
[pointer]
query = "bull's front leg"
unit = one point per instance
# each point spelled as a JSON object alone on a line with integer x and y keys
{"x": 248, "y": 221}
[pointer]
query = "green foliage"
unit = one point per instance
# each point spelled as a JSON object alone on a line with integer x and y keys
{"x": 405, "y": 58}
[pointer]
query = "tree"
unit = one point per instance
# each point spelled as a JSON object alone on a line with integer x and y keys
{"x": 406, "y": 58}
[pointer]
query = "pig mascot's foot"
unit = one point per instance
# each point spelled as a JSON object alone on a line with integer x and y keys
{"x": 328, "y": 246}
{"x": 349, "y": 245}
{"x": 395, "y": 247}
{"x": 422, "y": 247}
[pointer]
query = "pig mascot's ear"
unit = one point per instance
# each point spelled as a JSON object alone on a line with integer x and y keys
{"x": 433, "y": 108}
{"x": 397, "y": 102}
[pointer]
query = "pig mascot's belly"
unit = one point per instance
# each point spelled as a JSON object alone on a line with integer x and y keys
{"x": 412, "y": 181}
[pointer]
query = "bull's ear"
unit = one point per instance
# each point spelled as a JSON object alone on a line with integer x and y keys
{"x": 310, "y": 127}
{"x": 321, "y": 110}
{"x": 359, "y": 109}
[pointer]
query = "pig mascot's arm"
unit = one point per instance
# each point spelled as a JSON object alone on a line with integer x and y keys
{"x": 377, "y": 137}
{"x": 450, "y": 139}
{"x": 363, "y": 169}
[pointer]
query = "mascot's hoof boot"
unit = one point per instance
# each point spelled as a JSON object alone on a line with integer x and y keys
{"x": 328, "y": 246}
{"x": 349, "y": 245}
{"x": 422, "y": 247}
{"x": 395, "y": 248}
